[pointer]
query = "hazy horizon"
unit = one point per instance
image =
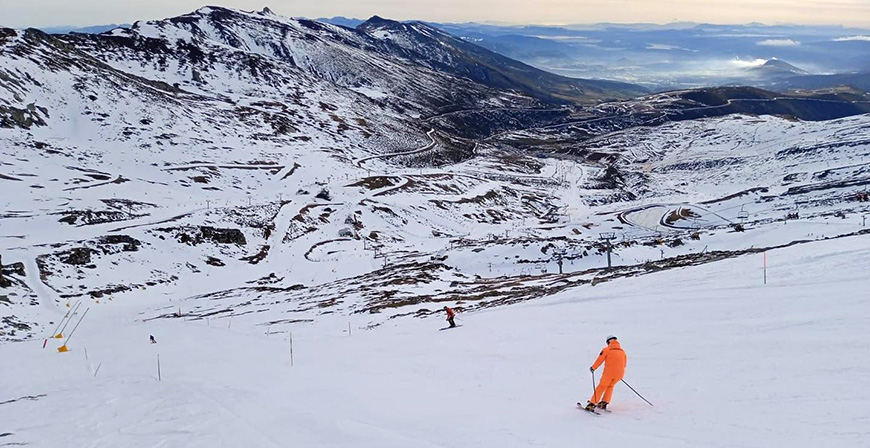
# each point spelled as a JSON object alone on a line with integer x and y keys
{"x": 842, "y": 13}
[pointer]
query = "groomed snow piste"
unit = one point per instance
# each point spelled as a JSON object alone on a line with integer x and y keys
{"x": 727, "y": 360}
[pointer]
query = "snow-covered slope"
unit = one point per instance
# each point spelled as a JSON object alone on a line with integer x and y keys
{"x": 442, "y": 51}
{"x": 725, "y": 359}
{"x": 223, "y": 50}
{"x": 224, "y": 180}
{"x": 275, "y": 193}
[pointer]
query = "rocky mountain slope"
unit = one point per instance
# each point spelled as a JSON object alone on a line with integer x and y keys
{"x": 445, "y": 52}
{"x": 275, "y": 171}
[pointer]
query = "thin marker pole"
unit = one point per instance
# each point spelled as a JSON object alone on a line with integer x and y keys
{"x": 765, "y": 268}
{"x": 75, "y": 309}
{"x": 98, "y": 369}
{"x": 65, "y": 316}
{"x": 159, "y": 377}
{"x": 77, "y": 325}
{"x": 291, "y": 349}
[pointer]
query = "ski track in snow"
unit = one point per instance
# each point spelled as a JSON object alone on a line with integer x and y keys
{"x": 429, "y": 146}
{"x": 48, "y": 297}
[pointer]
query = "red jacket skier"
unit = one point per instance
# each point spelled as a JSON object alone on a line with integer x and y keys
{"x": 450, "y": 316}
{"x": 614, "y": 360}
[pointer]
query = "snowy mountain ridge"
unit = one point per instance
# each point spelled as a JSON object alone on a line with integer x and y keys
{"x": 284, "y": 170}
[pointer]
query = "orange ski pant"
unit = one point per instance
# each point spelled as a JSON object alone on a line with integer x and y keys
{"x": 605, "y": 388}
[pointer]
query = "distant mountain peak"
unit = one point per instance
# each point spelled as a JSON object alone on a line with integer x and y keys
{"x": 378, "y": 22}
{"x": 206, "y": 10}
{"x": 340, "y": 54}
{"x": 775, "y": 66}
{"x": 342, "y": 21}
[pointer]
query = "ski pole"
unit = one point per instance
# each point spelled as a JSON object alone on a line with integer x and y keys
{"x": 593, "y": 382}
{"x": 639, "y": 395}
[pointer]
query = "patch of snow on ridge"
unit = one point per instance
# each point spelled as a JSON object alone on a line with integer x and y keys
{"x": 370, "y": 92}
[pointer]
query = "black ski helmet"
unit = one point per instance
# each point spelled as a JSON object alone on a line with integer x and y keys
{"x": 610, "y": 338}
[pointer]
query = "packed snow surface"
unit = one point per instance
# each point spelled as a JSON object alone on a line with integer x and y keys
{"x": 726, "y": 360}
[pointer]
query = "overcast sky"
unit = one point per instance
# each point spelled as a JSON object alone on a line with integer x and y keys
{"x": 42, "y": 13}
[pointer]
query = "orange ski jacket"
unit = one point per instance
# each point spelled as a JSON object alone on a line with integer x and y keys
{"x": 614, "y": 360}
{"x": 450, "y": 313}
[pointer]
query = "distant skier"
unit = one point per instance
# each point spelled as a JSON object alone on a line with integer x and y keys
{"x": 614, "y": 360}
{"x": 153, "y": 341}
{"x": 450, "y": 316}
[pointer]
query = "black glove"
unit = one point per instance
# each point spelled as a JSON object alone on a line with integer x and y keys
{"x": 592, "y": 369}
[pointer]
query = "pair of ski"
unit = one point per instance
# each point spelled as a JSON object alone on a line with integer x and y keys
{"x": 447, "y": 328}
{"x": 596, "y": 411}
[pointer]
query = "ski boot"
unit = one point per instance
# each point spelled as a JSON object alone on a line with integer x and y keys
{"x": 602, "y": 405}
{"x": 590, "y": 406}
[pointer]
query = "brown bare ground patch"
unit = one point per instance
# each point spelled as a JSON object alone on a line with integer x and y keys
{"x": 377, "y": 182}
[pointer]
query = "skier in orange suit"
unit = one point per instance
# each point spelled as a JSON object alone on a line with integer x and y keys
{"x": 614, "y": 360}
